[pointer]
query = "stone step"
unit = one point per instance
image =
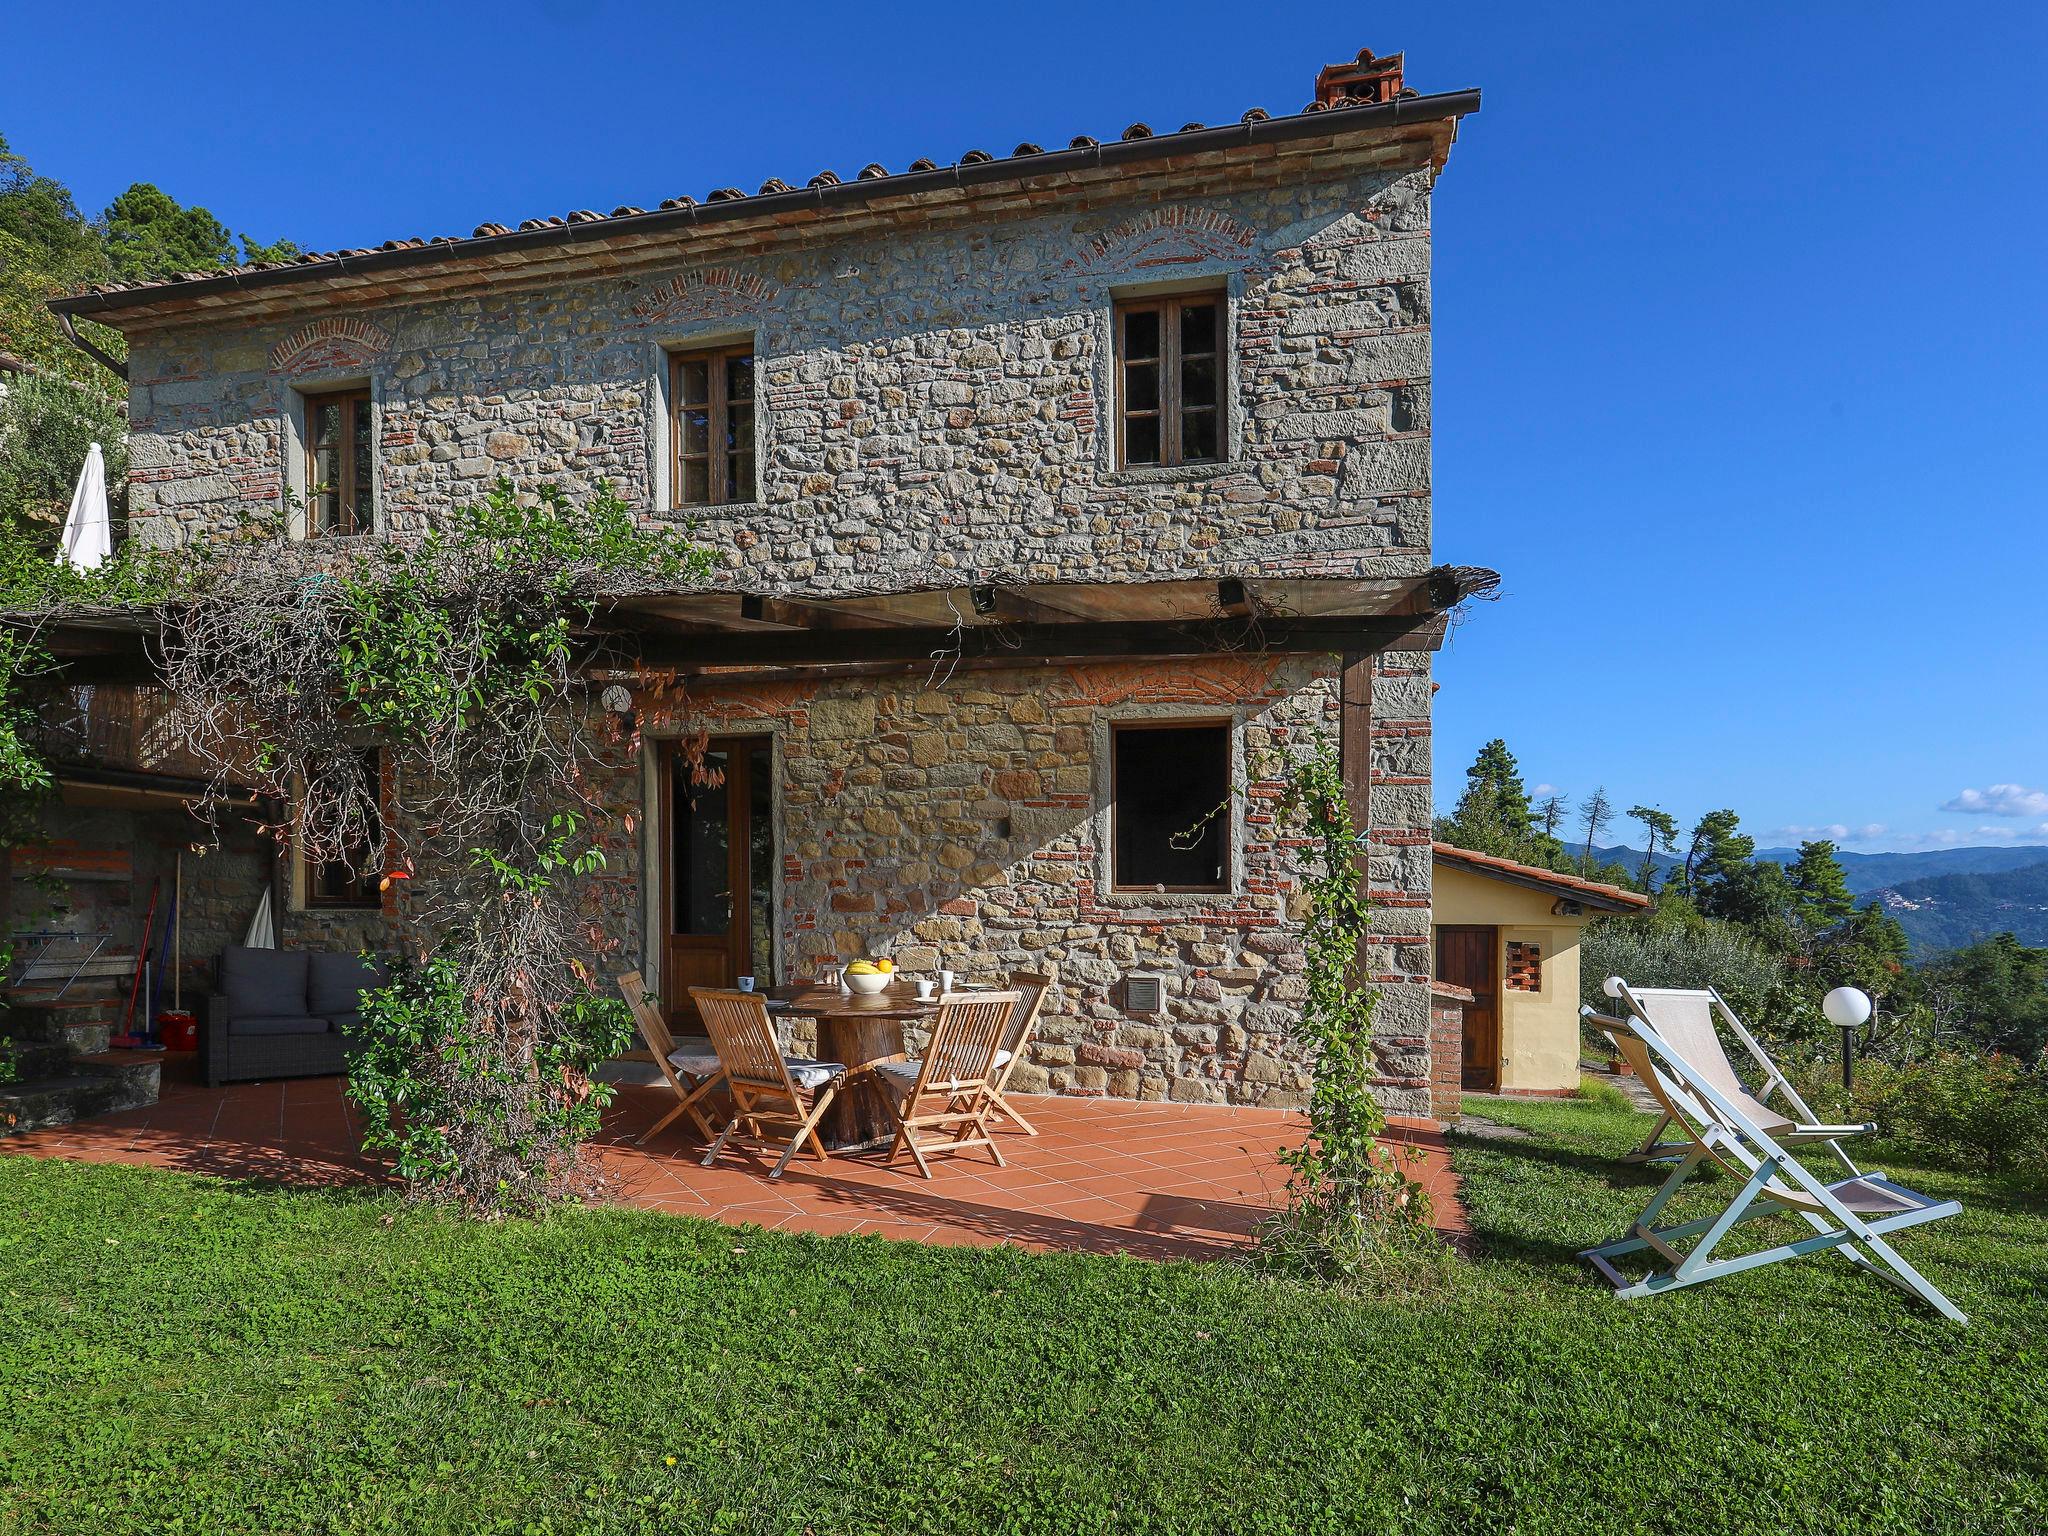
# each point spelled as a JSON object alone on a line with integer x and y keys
{"x": 71, "y": 1022}
{"x": 36, "y": 1058}
{"x": 96, "y": 1085}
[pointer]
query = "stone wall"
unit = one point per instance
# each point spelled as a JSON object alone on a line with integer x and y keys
{"x": 931, "y": 403}
{"x": 964, "y": 825}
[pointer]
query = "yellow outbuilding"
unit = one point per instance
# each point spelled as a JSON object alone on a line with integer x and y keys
{"x": 1509, "y": 934}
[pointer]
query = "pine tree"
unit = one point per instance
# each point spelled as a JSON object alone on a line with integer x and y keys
{"x": 1493, "y": 815}
{"x": 1820, "y": 891}
{"x": 1660, "y": 832}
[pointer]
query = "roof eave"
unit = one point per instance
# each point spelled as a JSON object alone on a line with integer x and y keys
{"x": 1445, "y": 107}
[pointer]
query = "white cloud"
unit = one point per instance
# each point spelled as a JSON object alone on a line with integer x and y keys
{"x": 2000, "y": 800}
{"x": 1834, "y": 832}
{"x": 1544, "y": 791}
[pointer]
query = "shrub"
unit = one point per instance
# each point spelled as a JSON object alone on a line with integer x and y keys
{"x": 486, "y": 1101}
{"x": 1699, "y": 954}
{"x": 1983, "y": 1111}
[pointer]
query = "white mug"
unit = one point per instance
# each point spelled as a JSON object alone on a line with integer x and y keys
{"x": 746, "y": 983}
{"x": 924, "y": 988}
{"x": 945, "y": 981}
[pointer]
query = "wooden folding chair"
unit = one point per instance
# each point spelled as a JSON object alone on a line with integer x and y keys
{"x": 691, "y": 1074}
{"x": 1031, "y": 988}
{"x": 954, "y": 1075}
{"x": 767, "y": 1087}
{"x": 1852, "y": 1216}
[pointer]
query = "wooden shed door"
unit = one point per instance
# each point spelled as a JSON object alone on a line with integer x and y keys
{"x": 1468, "y": 957}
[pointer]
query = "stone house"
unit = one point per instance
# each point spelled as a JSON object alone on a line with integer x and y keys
{"x": 1143, "y": 425}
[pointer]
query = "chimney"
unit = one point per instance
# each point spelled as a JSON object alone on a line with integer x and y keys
{"x": 1363, "y": 79}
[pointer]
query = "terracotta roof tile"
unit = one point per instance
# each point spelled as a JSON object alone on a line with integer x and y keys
{"x": 1570, "y": 885}
{"x": 771, "y": 187}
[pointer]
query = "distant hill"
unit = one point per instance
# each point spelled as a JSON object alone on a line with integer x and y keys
{"x": 1947, "y": 911}
{"x": 1877, "y": 871}
{"x": 1867, "y": 872}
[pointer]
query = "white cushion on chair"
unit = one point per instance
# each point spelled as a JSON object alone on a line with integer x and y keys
{"x": 807, "y": 1073}
{"x": 903, "y": 1075}
{"x": 1002, "y": 1058}
{"x": 693, "y": 1062}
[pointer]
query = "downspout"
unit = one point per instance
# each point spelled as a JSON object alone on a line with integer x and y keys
{"x": 89, "y": 348}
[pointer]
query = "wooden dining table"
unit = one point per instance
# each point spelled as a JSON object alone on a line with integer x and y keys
{"x": 854, "y": 1030}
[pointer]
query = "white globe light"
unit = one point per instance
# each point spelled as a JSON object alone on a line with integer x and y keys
{"x": 1846, "y": 1007}
{"x": 1612, "y": 986}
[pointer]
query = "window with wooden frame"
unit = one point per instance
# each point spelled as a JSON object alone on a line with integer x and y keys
{"x": 711, "y": 423}
{"x": 340, "y": 455}
{"x": 1169, "y": 814}
{"x": 1170, "y": 360}
{"x": 351, "y": 881}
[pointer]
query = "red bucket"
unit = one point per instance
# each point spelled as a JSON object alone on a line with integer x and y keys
{"x": 178, "y": 1031}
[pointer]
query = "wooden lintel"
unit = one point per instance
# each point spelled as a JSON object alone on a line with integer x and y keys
{"x": 1018, "y": 644}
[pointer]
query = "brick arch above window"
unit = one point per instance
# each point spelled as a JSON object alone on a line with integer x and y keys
{"x": 1160, "y": 240}
{"x": 332, "y": 345}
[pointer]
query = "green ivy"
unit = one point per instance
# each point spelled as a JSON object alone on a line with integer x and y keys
{"x": 1350, "y": 1206}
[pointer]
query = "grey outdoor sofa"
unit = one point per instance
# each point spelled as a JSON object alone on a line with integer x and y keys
{"x": 282, "y": 1013}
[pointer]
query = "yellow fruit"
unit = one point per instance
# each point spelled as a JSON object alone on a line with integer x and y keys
{"x": 860, "y": 968}
{"x": 886, "y": 967}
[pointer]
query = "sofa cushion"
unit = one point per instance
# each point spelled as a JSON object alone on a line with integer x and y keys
{"x": 347, "y": 1023}
{"x": 276, "y": 1024}
{"x": 337, "y": 982}
{"x": 264, "y": 983}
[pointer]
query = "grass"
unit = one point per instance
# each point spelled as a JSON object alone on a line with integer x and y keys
{"x": 186, "y": 1355}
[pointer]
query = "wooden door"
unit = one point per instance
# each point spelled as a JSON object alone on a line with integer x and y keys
{"x": 1468, "y": 956}
{"x": 717, "y": 870}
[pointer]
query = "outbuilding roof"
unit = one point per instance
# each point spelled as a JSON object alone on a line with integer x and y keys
{"x": 1589, "y": 893}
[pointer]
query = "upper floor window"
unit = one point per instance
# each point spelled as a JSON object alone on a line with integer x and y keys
{"x": 1169, "y": 355}
{"x": 711, "y": 403}
{"x": 339, "y": 457}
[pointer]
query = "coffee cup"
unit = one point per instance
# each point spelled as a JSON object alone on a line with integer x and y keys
{"x": 746, "y": 983}
{"x": 924, "y": 988}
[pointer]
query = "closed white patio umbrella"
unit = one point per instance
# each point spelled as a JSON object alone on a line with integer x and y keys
{"x": 88, "y": 538}
{"x": 262, "y": 932}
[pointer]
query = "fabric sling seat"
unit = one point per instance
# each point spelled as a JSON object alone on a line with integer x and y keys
{"x": 1852, "y": 1216}
{"x": 1684, "y": 1019}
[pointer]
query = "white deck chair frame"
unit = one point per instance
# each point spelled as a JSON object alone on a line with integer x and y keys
{"x": 1806, "y": 1127}
{"x": 1774, "y": 1182}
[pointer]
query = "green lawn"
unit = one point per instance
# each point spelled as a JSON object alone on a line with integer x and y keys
{"x": 182, "y": 1355}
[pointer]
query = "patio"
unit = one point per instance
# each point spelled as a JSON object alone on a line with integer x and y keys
{"x": 1158, "y": 1181}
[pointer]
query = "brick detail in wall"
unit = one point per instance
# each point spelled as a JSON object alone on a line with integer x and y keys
{"x": 332, "y": 344}
{"x": 1446, "y": 1049}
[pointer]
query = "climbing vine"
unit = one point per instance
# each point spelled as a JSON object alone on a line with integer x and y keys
{"x": 422, "y": 707}
{"x": 1349, "y": 1201}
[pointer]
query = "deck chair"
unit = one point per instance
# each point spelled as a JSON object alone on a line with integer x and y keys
{"x": 768, "y": 1088}
{"x": 692, "y": 1074}
{"x": 949, "y": 1091}
{"x": 1684, "y": 1019}
{"x": 1851, "y": 1216}
{"x": 1031, "y": 989}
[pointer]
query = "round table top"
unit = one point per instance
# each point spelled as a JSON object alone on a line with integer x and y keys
{"x": 899, "y": 1000}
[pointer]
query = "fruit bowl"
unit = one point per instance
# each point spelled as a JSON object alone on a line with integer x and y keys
{"x": 867, "y": 983}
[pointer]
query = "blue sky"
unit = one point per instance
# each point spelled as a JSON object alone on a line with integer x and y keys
{"x": 1741, "y": 311}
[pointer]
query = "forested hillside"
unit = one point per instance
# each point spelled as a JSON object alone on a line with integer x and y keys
{"x": 1945, "y": 912}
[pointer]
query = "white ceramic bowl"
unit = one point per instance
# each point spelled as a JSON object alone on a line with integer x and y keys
{"x": 867, "y": 983}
